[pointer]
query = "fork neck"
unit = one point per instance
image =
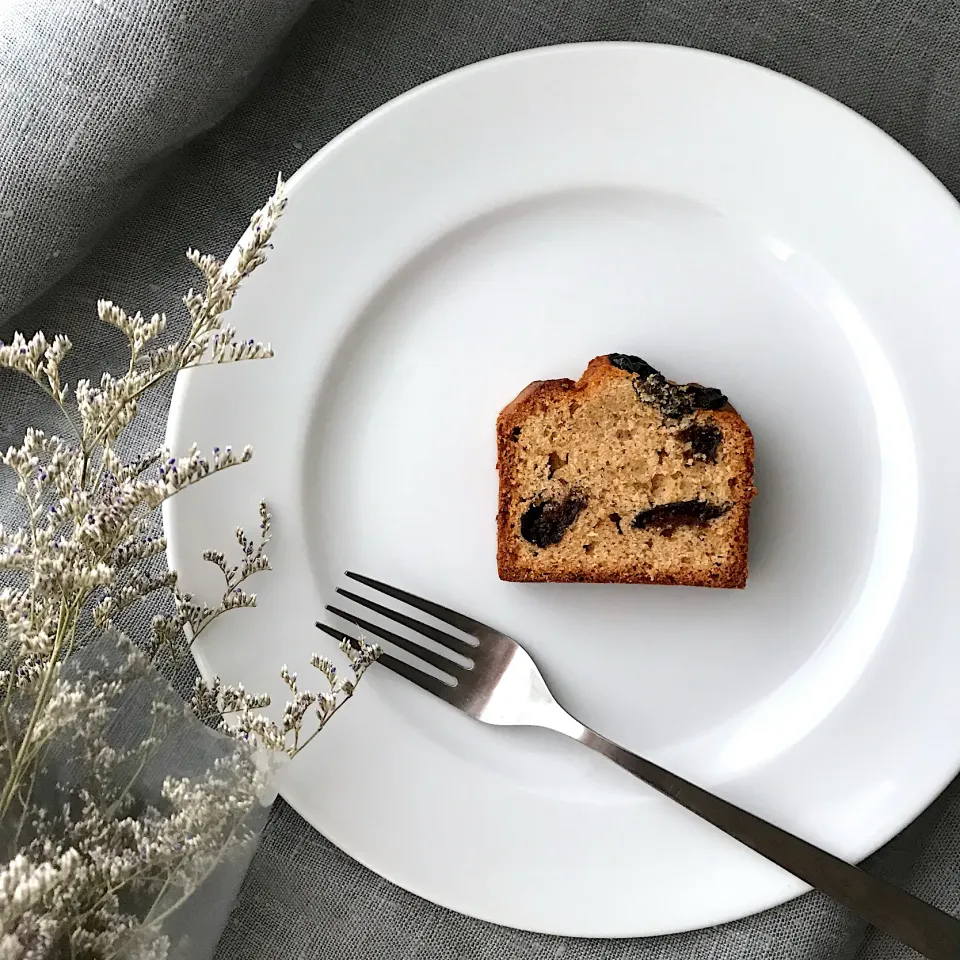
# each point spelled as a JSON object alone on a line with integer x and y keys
{"x": 556, "y": 718}
{"x": 564, "y": 723}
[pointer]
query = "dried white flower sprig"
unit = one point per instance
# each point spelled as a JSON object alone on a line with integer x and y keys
{"x": 216, "y": 700}
{"x": 97, "y": 874}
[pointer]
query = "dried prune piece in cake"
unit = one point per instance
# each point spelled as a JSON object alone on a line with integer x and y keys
{"x": 702, "y": 441}
{"x": 546, "y": 521}
{"x": 623, "y": 477}
{"x": 634, "y": 365}
{"x": 677, "y": 401}
{"x": 666, "y": 517}
{"x": 705, "y": 398}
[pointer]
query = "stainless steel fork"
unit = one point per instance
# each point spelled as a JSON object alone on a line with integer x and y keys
{"x": 503, "y": 686}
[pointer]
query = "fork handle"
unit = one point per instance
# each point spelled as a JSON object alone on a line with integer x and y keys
{"x": 929, "y": 931}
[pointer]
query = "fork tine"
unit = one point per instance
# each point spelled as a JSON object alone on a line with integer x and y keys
{"x": 435, "y": 659}
{"x": 431, "y": 684}
{"x": 474, "y": 627}
{"x": 444, "y": 691}
{"x": 337, "y": 635}
{"x": 444, "y": 639}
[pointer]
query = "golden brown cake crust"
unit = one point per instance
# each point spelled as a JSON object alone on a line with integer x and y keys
{"x": 717, "y": 558}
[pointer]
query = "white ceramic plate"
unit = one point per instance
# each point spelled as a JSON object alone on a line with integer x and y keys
{"x": 507, "y": 223}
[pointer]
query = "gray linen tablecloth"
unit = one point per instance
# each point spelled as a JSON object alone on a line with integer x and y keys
{"x": 130, "y": 130}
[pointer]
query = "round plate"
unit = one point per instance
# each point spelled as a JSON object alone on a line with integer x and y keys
{"x": 505, "y": 224}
